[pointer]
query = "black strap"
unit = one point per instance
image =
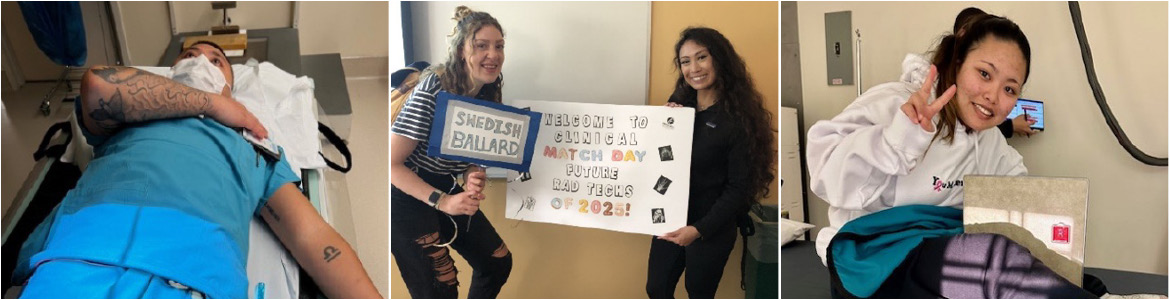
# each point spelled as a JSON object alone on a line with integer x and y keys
{"x": 746, "y": 229}
{"x": 339, "y": 144}
{"x": 55, "y": 150}
{"x": 59, "y": 180}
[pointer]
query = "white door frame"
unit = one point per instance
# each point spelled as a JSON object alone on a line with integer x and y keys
{"x": 11, "y": 68}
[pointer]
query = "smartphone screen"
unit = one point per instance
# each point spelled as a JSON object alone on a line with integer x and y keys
{"x": 1034, "y": 109}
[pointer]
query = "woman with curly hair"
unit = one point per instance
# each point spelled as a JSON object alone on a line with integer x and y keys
{"x": 430, "y": 212}
{"x": 732, "y": 163}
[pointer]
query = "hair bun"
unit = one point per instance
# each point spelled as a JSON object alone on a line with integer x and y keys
{"x": 966, "y": 16}
{"x": 461, "y": 13}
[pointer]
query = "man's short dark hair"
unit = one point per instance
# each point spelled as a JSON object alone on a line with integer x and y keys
{"x": 209, "y": 43}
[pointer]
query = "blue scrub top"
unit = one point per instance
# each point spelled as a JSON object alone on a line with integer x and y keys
{"x": 171, "y": 197}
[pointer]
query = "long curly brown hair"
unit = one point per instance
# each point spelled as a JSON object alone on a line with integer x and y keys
{"x": 741, "y": 101}
{"x": 453, "y": 72}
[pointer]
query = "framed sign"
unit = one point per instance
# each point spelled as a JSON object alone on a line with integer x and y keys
{"x": 482, "y": 132}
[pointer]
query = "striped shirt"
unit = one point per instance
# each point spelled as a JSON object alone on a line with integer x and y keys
{"x": 414, "y": 122}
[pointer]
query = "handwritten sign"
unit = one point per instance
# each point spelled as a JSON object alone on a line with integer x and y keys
{"x": 483, "y": 132}
{"x": 616, "y": 167}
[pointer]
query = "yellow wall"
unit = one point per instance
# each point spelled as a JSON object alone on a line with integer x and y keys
{"x": 750, "y": 26}
{"x": 558, "y": 261}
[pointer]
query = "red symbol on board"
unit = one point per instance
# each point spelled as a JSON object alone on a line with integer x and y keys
{"x": 1060, "y": 233}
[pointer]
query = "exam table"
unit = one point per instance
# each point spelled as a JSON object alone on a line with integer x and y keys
{"x": 802, "y": 276}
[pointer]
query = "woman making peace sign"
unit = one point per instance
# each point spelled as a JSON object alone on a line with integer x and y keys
{"x": 891, "y": 167}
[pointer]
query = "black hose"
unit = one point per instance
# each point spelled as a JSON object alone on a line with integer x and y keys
{"x": 1087, "y": 56}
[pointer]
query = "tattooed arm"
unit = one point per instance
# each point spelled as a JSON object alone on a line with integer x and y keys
{"x": 114, "y": 96}
{"x": 316, "y": 246}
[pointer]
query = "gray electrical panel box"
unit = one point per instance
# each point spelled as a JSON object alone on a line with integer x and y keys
{"x": 839, "y": 47}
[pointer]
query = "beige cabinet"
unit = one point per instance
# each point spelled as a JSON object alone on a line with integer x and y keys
{"x": 791, "y": 191}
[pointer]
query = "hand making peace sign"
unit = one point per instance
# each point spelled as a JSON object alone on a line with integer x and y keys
{"x": 919, "y": 110}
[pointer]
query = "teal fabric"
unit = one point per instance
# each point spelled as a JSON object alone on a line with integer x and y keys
{"x": 868, "y": 249}
{"x": 173, "y": 198}
{"x": 72, "y": 279}
{"x": 195, "y": 165}
{"x": 163, "y": 242}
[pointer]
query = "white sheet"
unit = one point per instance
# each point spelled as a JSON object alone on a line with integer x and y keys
{"x": 269, "y": 263}
{"x": 790, "y": 230}
{"x": 284, "y": 105}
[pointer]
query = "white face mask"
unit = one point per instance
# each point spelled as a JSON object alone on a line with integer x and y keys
{"x": 199, "y": 73}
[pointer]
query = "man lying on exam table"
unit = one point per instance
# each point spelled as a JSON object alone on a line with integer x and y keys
{"x": 163, "y": 209}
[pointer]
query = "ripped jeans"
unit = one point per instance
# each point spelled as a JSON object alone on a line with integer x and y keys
{"x": 428, "y": 270}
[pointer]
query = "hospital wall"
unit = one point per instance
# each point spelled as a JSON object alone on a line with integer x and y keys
{"x": 356, "y": 30}
{"x": 146, "y": 26}
{"x": 565, "y": 261}
{"x": 1128, "y": 200}
{"x": 198, "y": 15}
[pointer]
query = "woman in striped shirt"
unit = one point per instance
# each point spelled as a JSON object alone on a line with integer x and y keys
{"x": 430, "y": 211}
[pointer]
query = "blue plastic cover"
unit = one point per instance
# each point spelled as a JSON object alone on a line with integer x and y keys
{"x": 58, "y": 30}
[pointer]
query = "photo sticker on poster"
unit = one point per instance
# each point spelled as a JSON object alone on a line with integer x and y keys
{"x": 658, "y": 216}
{"x": 665, "y": 153}
{"x": 1060, "y": 233}
{"x": 662, "y": 185}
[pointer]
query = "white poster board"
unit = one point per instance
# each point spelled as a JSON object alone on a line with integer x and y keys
{"x": 615, "y": 167}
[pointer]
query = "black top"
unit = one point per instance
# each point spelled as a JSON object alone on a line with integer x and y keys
{"x": 1006, "y": 128}
{"x": 719, "y": 172}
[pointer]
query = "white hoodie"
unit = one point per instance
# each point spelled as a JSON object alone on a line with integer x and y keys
{"x": 872, "y": 157}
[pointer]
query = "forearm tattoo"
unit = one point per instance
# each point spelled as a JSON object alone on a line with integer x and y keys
{"x": 331, "y": 253}
{"x": 141, "y": 96}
